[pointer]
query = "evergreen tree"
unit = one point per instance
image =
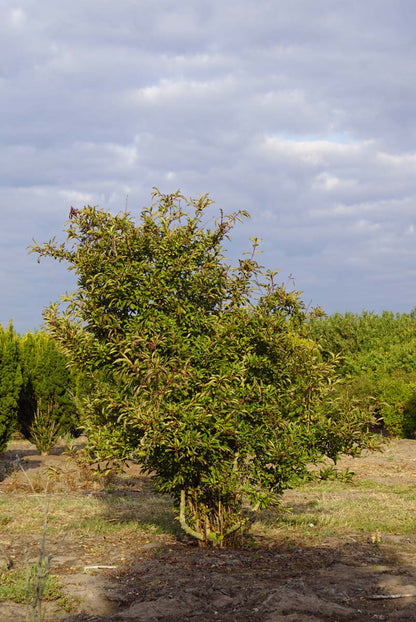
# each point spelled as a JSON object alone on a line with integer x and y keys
{"x": 47, "y": 383}
{"x": 10, "y": 383}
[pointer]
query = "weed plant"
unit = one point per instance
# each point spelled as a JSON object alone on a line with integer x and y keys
{"x": 45, "y": 429}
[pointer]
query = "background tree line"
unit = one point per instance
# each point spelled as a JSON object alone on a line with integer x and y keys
{"x": 375, "y": 355}
{"x": 376, "y": 359}
{"x": 37, "y": 391}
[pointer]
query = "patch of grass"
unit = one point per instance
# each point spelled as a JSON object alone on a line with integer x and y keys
{"x": 153, "y": 512}
{"x": 333, "y": 508}
{"x": 4, "y": 520}
{"x": 14, "y": 586}
{"x": 141, "y": 514}
{"x": 94, "y": 515}
{"x": 129, "y": 510}
{"x": 22, "y": 514}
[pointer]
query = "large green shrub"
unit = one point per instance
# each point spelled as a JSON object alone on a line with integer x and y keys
{"x": 204, "y": 372}
{"x": 377, "y": 360}
{"x": 409, "y": 416}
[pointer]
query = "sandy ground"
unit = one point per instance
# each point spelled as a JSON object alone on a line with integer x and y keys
{"x": 163, "y": 578}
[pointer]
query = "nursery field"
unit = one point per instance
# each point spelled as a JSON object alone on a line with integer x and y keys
{"x": 339, "y": 549}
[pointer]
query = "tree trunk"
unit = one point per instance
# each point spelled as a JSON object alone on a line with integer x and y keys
{"x": 218, "y": 525}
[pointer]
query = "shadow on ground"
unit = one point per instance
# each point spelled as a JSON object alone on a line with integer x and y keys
{"x": 285, "y": 582}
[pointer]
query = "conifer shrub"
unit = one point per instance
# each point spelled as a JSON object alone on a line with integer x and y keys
{"x": 10, "y": 383}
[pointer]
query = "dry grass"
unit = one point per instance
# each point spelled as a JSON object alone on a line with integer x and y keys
{"x": 324, "y": 509}
{"x": 125, "y": 503}
{"x": 21, "y": 513}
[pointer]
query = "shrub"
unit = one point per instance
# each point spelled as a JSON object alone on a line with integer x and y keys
{"x": 45, "y": 429}
{"x": 10, "y": 383}
{"x": 46, "y": 380}
{"x": 409, "y": 417}
{"x": 204, "y": 372}
{"x": 377, "y": 360}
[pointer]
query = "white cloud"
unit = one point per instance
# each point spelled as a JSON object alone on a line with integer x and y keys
{"x": 314, "y": 152}
{"x": 16, "y": 18}
{"x": 331, "y": 183}
{"x": 79, "y": 198}
{"x": 169, "y": 91}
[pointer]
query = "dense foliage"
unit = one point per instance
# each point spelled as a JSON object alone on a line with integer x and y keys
{"x": 10, "y": 383}
{"x": 377, "y": 360}
{"x": 47, "y": 385}
{"x": 204, "y": 372}
{"x": 38, "y": 394}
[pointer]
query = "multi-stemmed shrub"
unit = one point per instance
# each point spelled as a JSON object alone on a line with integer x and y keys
{"x": 204, "y": 372}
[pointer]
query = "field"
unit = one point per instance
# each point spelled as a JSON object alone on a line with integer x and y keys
{"x": 341, "y": 549}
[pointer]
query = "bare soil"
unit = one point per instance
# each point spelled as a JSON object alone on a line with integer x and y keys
{"x": 167, "y": 578}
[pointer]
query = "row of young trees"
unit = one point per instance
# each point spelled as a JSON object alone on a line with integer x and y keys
{"x": 376, "y": 358}
{"x": 37, "y": 390}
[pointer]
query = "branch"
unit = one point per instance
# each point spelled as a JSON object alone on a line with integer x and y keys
{"x": 187, "y": 529}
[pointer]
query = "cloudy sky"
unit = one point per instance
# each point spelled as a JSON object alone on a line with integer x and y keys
{"x": 301, "y": 112}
